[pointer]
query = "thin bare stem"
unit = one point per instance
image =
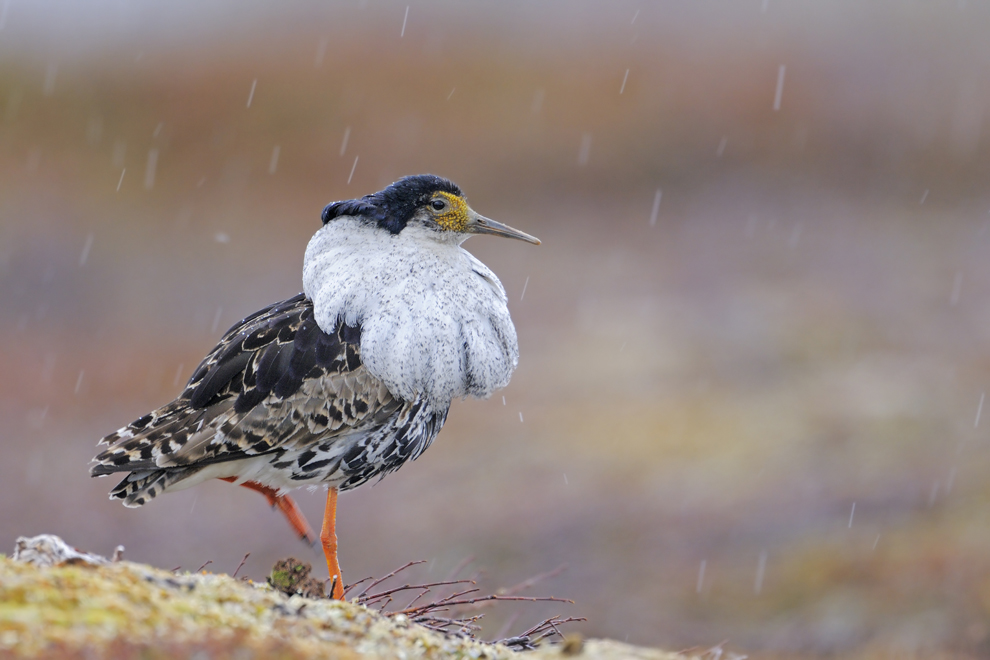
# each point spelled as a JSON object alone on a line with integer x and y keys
{"x": 241, "y": 565}
{"x": 550, "y": 624}
{"x": 438, "y": 621}
{"x": 392, "y": 574}
{"x": 446, "y": 600}
{"x": 413, "y": 586}
{"x": 421, "y": 594}
{"x": 351, "y": 586}
{"x": 545, "y": 628}
{"x": 446, "y": 603}
{"x": 448, "y": 614}
{"x": 536, "y": 579}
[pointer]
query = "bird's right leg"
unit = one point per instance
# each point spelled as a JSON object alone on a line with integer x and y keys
{"x": 286, "y": 505}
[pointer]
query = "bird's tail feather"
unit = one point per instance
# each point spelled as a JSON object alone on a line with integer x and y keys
{"x": 138, "y": 488}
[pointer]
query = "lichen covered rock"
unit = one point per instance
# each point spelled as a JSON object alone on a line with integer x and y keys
{"x": 94, "y": 608}
{"x": 125, "y": 610}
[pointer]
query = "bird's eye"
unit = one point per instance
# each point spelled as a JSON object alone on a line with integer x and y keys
{"x": 438, "y": 204}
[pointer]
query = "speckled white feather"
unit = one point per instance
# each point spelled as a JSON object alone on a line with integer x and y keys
{"x": 434, "y": 320}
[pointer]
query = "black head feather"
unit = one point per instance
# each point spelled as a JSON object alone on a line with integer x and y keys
{"x": 392, "y": 207}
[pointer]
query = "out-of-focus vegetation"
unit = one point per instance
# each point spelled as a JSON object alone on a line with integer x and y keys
{"x": 756, "y": 418}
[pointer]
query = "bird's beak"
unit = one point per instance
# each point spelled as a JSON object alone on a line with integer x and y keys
{"x": 479, "y": 224}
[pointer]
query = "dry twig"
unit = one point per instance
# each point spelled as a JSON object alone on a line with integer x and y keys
{"x": 348, "y": 587}
{"x": 240, "y": 566}
{"x": 536, "y": 579}
{"x": 451, "y": 613}
{"x": 392, "y": 574}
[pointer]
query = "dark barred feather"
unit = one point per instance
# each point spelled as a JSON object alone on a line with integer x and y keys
{"x": 277, "y": 385}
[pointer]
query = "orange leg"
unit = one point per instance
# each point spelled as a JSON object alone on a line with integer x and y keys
{"x": 329, "y": 538}
{"x": 286, "y": 505}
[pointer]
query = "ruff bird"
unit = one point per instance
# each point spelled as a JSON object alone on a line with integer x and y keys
{"x": 346, "y": 381}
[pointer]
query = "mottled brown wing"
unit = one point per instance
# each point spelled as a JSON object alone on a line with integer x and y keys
{"x": 274, "y": 381}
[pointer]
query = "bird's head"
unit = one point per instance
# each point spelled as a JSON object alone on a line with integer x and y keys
{"x": 426, "y": 201}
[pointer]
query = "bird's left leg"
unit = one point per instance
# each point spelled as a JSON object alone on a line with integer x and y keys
{"x": 286, "y": 505}
{"x": 329, "y": 538}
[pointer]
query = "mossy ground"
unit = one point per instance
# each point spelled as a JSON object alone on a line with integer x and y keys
{"x": 128, "y": 610}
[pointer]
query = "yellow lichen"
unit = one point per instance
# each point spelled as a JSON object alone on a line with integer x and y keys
{"x": 127, "y": 610}
{"x": 96, "y": 609}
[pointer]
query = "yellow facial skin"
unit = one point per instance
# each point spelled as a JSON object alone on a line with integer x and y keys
{"x": 455, "y": 216}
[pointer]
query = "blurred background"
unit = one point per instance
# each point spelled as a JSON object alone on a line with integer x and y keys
{"x": 755, "y": 341}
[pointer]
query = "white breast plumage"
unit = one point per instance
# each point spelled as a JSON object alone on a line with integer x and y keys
{"x": 434, "y": 321}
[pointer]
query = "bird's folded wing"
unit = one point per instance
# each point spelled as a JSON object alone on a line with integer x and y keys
{"x": 275, "y": 381}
